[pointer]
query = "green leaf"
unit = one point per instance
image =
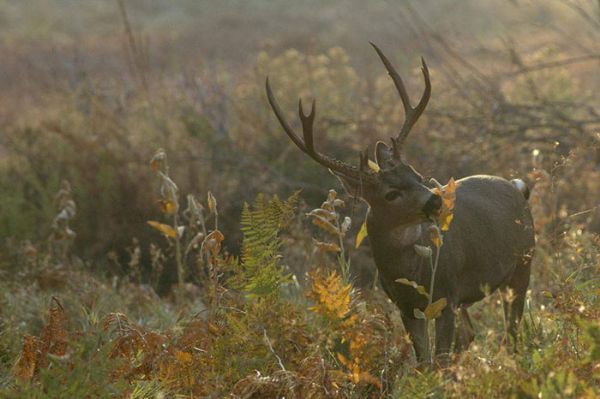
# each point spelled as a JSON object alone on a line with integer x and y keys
{"x": 418, "y": 313}
{"x": 423, "y": 251}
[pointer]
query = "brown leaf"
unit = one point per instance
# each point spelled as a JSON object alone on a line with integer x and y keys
{"x": 326, "y": 246}
{"x": 212, "y": 203}
{"x": 325, "y": 214}
{"x": 212, "y": 243}
{"x": 325, "y": 225}
{"x": 434, "y": 310}
{"x": 26, "y": 364}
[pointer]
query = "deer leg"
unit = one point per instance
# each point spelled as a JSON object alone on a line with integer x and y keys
{"x": 465, "y": 333}
{"x": 444, "y": 335}
{"x": 513, "y": 300}
{"x": 417, "y": 331}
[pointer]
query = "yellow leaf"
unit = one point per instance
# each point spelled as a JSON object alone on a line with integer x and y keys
{"x": 212, "y": 203}
{"x": 435, "y": 236}
{"x": 445, "y": 221}
{"x": 168, "y": 207}
{"x": 163, "y": 228}
{"x": 434, "y": 310}
{"x": 420, "y": 289}
{"x": 448, "y": 194}
{"x": 362, "y": 233}
{"x": 373, "y": 166}
{"x": 332, "y": 296}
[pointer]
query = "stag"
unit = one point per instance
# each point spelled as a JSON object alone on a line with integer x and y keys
{"x": 488, "y": 247}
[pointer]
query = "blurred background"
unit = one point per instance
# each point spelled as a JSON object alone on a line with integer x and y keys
{"x": 89, "y": 90}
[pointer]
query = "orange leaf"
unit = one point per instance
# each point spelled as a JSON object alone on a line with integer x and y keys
{"x": 25, "y": 366}
{"x": 212, "y": 243}
{"x": 168, "y": 207}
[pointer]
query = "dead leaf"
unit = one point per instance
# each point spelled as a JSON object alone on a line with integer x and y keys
{"x": 434, "y": 310}
{"x": 212, "y": 203}
{"x": 325, "y": 225}
{"x": 326, "y": 246}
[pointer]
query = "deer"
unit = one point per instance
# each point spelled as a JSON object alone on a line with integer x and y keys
{"x": 488, "y": 248}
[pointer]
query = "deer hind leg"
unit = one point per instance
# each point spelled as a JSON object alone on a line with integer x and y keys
{"x": 465, "y": 333}
{"x": 513, "y": 300}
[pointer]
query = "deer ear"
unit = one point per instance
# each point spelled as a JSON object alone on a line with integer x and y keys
{"x": 383, "y": 154}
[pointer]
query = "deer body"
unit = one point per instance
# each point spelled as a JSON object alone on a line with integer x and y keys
{"x": 488, "y": 246}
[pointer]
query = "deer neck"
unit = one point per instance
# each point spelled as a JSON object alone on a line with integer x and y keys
{"x": 399, "y": 237}
{"x": 393, "y": 248}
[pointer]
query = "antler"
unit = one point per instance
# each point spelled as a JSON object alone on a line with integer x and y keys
{"x": 307, "y": 145}
{"x": 411, "y": 115}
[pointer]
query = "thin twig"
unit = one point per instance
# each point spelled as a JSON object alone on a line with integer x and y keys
{"x": 268, "y": 342}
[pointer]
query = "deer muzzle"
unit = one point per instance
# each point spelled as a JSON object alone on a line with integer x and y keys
{"x": 432, "y": 206}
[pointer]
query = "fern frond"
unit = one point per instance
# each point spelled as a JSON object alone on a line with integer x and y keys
{"x": 259, "y": 273}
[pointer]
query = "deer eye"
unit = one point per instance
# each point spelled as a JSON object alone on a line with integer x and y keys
{"x": 392, "y": 195}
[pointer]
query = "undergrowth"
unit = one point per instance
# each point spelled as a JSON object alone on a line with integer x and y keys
{"x": 250, "y": 329}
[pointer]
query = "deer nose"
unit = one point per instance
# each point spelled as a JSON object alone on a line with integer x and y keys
{"x": 433, "y": 205}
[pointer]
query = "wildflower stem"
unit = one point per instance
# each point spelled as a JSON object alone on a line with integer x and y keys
{"x": 178, "y": 258}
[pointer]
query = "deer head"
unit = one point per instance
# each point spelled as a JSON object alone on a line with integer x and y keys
{"x": 396, "y": 192}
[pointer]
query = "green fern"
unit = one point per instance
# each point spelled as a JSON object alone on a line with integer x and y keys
{"x": 259, "y": 273}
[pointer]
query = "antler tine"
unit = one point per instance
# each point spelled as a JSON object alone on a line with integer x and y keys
{"x": 307, "y": 145}
{"x": 364, "y": 159}
{"x": 411, "y": 114}
{"x": 286, "y": 127}
{"x": 307, "y": 125}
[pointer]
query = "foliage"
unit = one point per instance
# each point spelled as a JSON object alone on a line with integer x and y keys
{"x": 259, "y": 273}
